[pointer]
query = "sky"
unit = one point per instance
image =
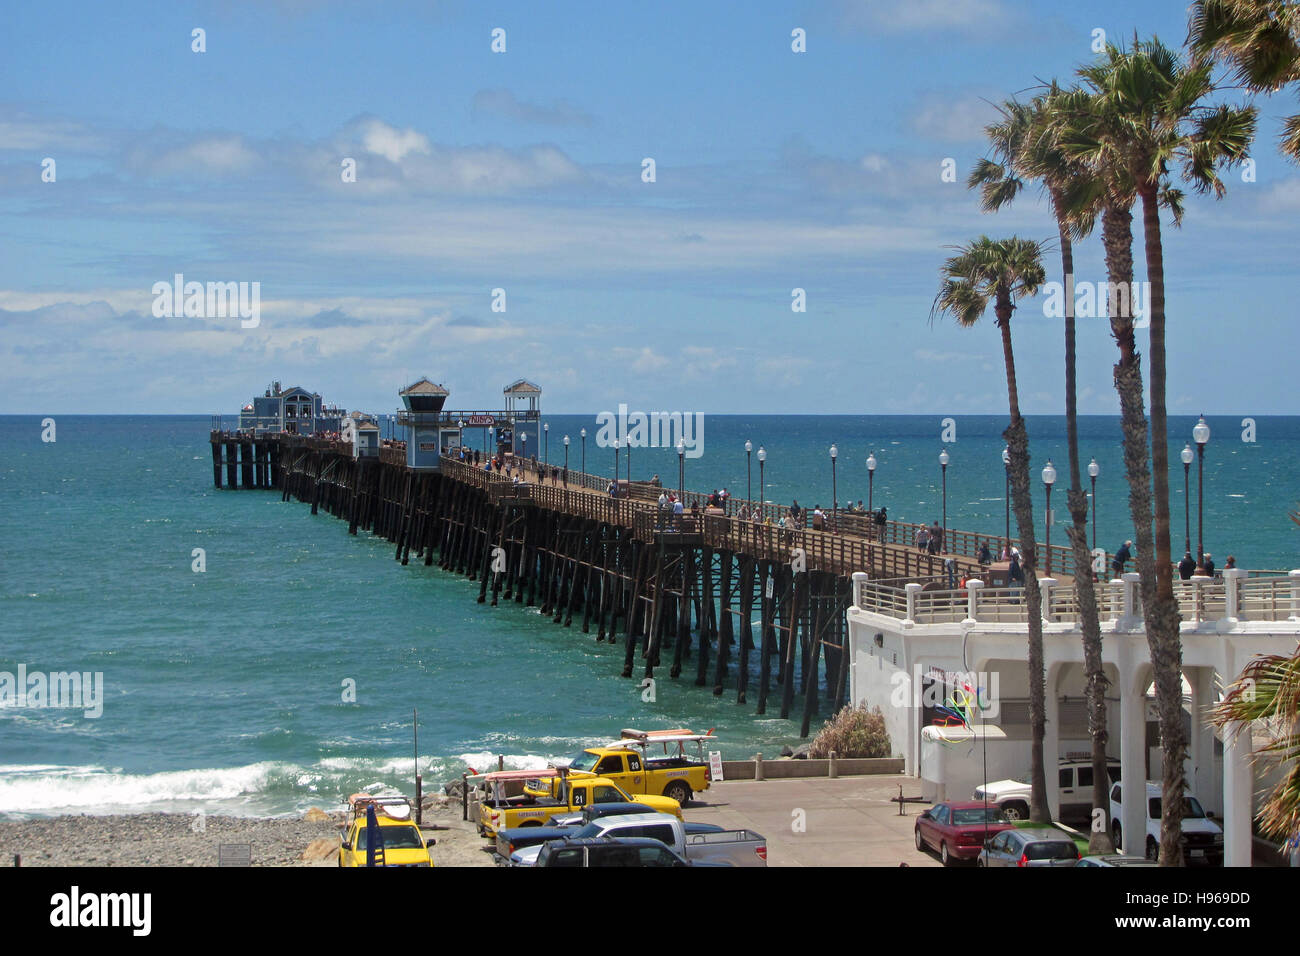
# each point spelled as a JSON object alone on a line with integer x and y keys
{"x": 524, "y": 170}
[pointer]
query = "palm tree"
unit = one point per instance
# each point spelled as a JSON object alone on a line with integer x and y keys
{"x": 1260, "y": 39}
{"x": 1003, "y": 271}
{"x": 1024, "y": 148}
{"x": 1145, "y": 112}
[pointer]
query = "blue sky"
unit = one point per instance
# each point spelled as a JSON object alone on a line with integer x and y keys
{"x": 522, "y": 171}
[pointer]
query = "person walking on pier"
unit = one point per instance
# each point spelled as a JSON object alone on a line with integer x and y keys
{"x": 923, "y": 538}
{"x": 986, "y": 556}
{"x": 936, "y": 538}
{"x": 1187, "y": 566}
{"x": 1121, "y": 558}
{"x": 1207, "y": 566}
{"x": 663, "y": 511}
{"x": 881, "y": 520}
{"x": 679, "y": 509}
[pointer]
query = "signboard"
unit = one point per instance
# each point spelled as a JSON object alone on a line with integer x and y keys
{"x": 428, "y": 446}
{"x": 715, "y": 765}
{"x": 480, "y": 420}
{"x": 234, "y": 854}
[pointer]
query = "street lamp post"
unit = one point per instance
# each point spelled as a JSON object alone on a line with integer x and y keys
{"x": 566, "y": 461}
{"x": 629, "y": 464}
{"x": 1049, "y": 479}
{"x": 546, "y": 443}
{"x": 943, "y": 468}
{"x": 762, "y": 457}
{"x": 583, "y": 433}
{"x": 749, "y": 482}
{"x": 1006, "y": 468}
{"x": 1093, "y": 471}
{"x": 1201, "y": 435}
{"x": 835, "y": 496}
{"x": 487, "y": 440}
{"x": 523, "y": 443}
{"x": 616, "y": 450}
{"x": 681, "y": 472}
{"x": 871, "y": 485}
{"x": 1187, "y": 456}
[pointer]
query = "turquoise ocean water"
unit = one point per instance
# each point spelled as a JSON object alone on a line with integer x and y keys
{"x": 223, "y": 690}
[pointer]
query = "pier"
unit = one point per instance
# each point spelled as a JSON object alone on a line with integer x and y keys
{"x": 681, "y": 594}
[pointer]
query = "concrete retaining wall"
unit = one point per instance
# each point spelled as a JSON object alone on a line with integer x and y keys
{"x": 784, "y": 769}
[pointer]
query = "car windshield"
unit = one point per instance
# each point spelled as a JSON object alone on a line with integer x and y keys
{"x": 1192, "y": 809}
{"x": 964, "y": 818}
{"x": 395, "y": 838}
{"x": 584, "y": 761}
{"x": 1051, "y": 850}
{"x": 593, "y": 829}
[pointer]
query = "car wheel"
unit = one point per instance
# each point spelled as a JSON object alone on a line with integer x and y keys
{"x": 1153, "y": 850}
{"x": 679, "y": 791}
{"x": 920, "y": 841}
{"x": 1015, "y": 810}
{"x": 943, "y": 855}
{"x": 979, "y": 862}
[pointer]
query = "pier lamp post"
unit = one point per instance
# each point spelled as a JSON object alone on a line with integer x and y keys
{"x": 749, "y": 482}
{"x": 566, "y": 461}
{"x": 546, "y": 443}
{"x": 1093, "y": 471}
{"x": 523, "y": 442}
{"x": 943, "y": 468}
{"x": 871, "y": 480}
{"x": 681, "y": 472}
{"x": 616, "y": 449}
{"x": 1049, "y": 479}
{"x": 487, "y": 439}
{"x": 1006, "y": 468}
{"x": 461, "y": 425}
{"x": 1187, "y": 455}
{"x": 1201, "y": 434}
{"x": 762, "y": 457}
{"x": 583, "y": 433}
{"x": 629, "y": 463}
{"x": 835, "y": 495}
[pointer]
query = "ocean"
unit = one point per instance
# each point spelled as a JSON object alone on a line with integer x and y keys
{"x": 224, "y": 691}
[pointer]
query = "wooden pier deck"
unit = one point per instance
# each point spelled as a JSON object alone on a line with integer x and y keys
{"x": 670, "y": 591}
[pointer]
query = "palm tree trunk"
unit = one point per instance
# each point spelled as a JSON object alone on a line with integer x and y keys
{"x": 1117, "y": 236}
{"x": 1162, "y": 619}
{"x": 1017, "y": 440}
{"x": 1099, "y": 840}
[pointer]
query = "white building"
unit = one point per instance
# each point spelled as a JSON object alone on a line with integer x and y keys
{"x": 901, "y": 638}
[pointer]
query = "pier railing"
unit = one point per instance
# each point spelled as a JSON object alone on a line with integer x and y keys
{"x": 1235, "y": 597}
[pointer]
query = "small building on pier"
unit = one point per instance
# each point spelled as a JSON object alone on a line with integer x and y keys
{"x": 293, "y": 410}
{"x": 425, "y": 424}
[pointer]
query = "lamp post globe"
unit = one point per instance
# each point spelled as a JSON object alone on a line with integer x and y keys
{"x": 943, "y": 468}
{"x": 762, "y": 457}
{"x": 1187, "y": 455}
{"x": 749, "y": 483}
{"x": 1006, "y": 467}
{"x": 583, "y": 434}
{"x": 835, "y": 502}
{"x": 871, "y": 480}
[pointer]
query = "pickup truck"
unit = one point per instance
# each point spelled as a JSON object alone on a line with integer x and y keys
{"x": 604, "y": 851}
{"x": 562, "y": 794}
{"x": 1202, "y": 837}
{"x": 401, "y": 843}
{"x": 723, "y": 847}
{"x": 651, "y": 762}
{"x": 519, "y": 838}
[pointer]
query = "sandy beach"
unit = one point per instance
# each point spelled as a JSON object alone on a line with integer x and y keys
{"x": 172, "y": 839}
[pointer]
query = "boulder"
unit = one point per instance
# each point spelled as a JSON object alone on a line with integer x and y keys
{"x": 321, "y": 849}
{"x": 801, "y": 752}
{"x": 316, "y": 815}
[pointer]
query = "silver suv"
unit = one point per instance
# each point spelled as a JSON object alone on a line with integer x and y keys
{"x": 1032, "y": 846}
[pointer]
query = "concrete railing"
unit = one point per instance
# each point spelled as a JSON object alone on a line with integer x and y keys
{"x": 1236, "y": 597}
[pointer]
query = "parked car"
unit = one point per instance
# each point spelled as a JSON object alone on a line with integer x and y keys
{"x": 1117, "y": 860}
{"x": 1031, "y": 846}
{"x": 1074, "y": 779}
{"x": 1202, "y": 837}
{"x": 515, "y": 839}
{"x": 606, "y": 851}
{"x": 671, "y": 763}
{"x": 958, "y": 830}
{"x": 567, "y": 795}
{"x": 725, "y": 847}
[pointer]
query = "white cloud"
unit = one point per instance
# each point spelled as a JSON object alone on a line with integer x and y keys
{"x": 953, "y": 117}
{"x": 392, "y": 143}
{"x": 931, "y": 16}
{"x": 505, "y": 103}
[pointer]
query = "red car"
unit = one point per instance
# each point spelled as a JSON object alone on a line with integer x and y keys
{"x": 958, "y": 830}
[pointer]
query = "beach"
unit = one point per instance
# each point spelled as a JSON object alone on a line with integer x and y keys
{"x": 176, "y": 839}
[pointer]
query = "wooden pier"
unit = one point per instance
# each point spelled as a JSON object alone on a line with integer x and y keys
{"x": 678, "y": 594}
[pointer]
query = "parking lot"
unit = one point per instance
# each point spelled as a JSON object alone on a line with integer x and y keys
{"x": 816, "y": 821}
